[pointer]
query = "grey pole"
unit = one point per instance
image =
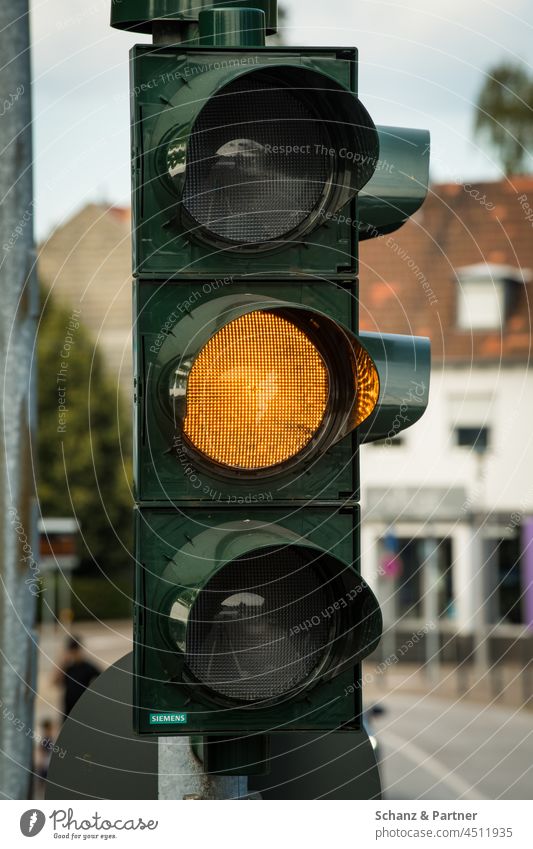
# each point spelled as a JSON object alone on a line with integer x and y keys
{"x": 480, "y": 577}
{"x": 431, "y": 608}
{"x": 181, "y": 774}
{"x": 18, "y": 312}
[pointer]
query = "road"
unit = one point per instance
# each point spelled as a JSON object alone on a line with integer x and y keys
{"x": 432, "y": 748}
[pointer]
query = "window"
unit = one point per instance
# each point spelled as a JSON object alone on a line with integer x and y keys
{"x": 409, "y": 566}
{"x": 471, "y": 417}
{"x": 473, "y": 437}
{"x": 485, "y": 295}
{"x": 392, "y": 442}
{"x": 509, "y": 582}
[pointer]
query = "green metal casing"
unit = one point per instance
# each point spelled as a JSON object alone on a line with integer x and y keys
{"x": 239, "y": 27}
{"x": 167, "y": 314}
{"x": 172, "y": 542}
{"x": 140, "y": 15}
{"x": 191, "y": 520}
{"x": 159, "y": 473}
{"x": 170, "y": 86}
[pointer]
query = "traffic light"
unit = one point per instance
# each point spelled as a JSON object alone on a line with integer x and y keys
{"x": 256, "y": 171}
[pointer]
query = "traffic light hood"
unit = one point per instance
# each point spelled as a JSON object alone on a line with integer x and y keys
{"x": 404, "y": 366}
{"x": 399, "y": 184}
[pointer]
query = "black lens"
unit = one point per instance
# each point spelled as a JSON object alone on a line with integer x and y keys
{"x": 260, "y": 629}
{"x": 258, "y": 162}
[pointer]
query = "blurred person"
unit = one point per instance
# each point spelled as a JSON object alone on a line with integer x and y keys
{"x": 45, "y": 745}
{"x": 74, "y": 674}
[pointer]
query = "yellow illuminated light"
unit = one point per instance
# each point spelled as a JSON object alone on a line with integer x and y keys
{"x": 257, "y": 393}
{"x": 367, "y": 385}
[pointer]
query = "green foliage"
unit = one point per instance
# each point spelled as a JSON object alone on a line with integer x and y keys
{"x": 101, "y": 599}
{"x": 504, "y": 116}
{"x": 84, "y": 440}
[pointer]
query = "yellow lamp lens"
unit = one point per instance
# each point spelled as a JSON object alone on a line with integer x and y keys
{"x": 367, "y": 386}
{"x": 257, "y": 393}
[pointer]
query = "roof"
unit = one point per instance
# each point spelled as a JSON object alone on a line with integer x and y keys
{"x": 409, "y": 279}
{"x": 86, "y": 262}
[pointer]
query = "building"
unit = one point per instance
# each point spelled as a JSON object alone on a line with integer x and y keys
{"x": 448, "y": 505}
{"x": 86, "y": 264}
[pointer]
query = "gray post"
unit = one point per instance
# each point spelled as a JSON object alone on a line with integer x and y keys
{"x": 181, "y": 775}
{"x": 480, "y": 575}
{"x": 431, "y": 576}
{"x": 18, "y": 537}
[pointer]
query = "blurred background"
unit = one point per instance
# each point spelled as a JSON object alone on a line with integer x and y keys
{"x": 447, "y": 539}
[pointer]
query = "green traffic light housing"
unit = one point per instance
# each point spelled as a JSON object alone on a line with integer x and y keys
{"x": 247, "y": 388}
{"x": 244, "y": 153}
{"x": 256, "y": 170}
{"x": 141, "y": 15}
{"x": 247, "y": 622}
{"x": 286, "y": 124}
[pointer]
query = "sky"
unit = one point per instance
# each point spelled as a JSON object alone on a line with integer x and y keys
{"x": 422, "y": 63}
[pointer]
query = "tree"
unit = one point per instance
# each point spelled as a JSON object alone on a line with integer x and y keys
{"x": 504, "y": 116}
{"x": 84, "y": 440}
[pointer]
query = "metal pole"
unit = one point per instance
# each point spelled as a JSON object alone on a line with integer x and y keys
{"x": 18, "y": 537}
{"x": 174, "y": 32}
{"x": 480, "y": 582}
{"x": 181, "y": 774}
{"x": 430, "y": 556}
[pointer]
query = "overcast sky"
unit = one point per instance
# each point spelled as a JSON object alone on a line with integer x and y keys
{"x": 422, "y": 63}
